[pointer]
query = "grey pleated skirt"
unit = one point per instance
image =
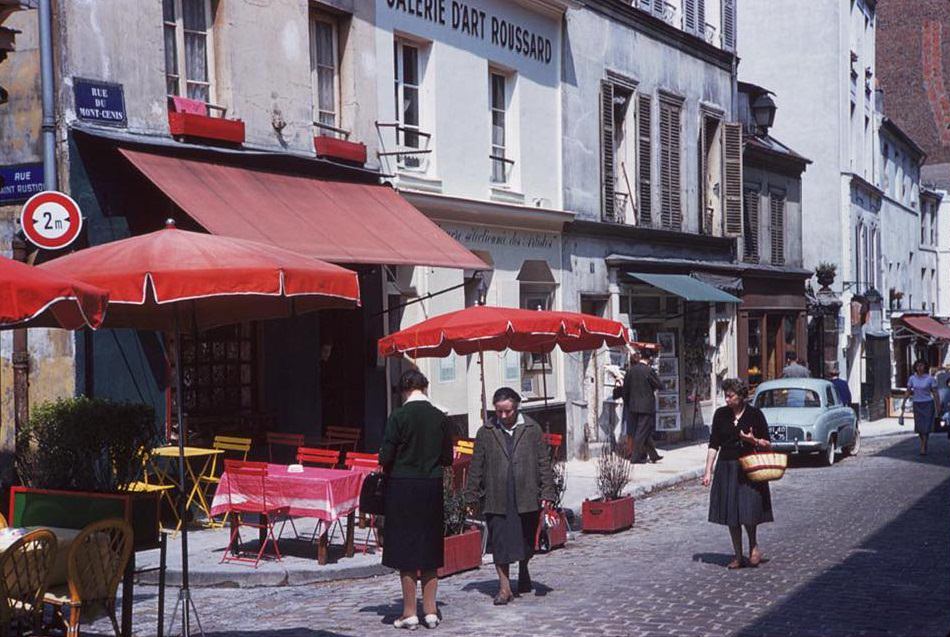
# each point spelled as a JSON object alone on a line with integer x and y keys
{"x": 735, "y": 500}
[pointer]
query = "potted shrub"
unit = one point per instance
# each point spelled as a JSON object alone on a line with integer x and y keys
{"x": 825, "y": 273}
{"x": 76, "y": 457}
{"x": 554, "y": 536}
{"x": 463, "y": 543}
{"x": 611, "y": 512}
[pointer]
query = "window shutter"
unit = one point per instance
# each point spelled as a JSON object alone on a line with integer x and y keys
{"x": 732, "y": 161}
{"x": 750, "y": 208}
{"x": 729, "y": 25}
{"x": 777, "y": 215}
{"x": 659, "y": 7}
{"x": 608, "y": 198}
{"x": 689, "y": 15}
{"x": 701, "y": 18}
{"x": 645, "y": 157}
{"x": 671, "y": 204}
{"x": 646, "y": 5}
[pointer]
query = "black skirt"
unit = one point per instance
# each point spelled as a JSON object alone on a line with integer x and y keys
{"x": 735, "y": 500}
{"x": 512, "y": 535}
{"x": 413, "y": 527}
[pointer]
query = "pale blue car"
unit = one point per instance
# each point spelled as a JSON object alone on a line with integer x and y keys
{"x": 805, "y": 415}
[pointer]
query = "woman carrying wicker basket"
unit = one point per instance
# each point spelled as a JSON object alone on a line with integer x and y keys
{"x": 734, "y": 500}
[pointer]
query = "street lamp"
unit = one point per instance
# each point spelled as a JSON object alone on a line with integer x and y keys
{"x": 763, "y": 110}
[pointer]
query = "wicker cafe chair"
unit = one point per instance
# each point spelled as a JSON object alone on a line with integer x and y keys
{"x": 95, "y": 565}
{"x": 235, "y": 448}
{"x": 24, "y": 574}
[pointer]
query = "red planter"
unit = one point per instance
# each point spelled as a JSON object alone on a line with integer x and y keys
{"x": 333, "y": 148}
{"x": 203, "y": 127}
{"x": 608, "y": 516}
{"x": 462, "y": 552}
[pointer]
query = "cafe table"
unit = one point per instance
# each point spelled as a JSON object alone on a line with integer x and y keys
{"x": 308, "y": 492}
{"x": 194, "y": 456}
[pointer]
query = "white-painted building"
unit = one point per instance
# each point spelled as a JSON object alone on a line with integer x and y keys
{"x": 472, "y": 137}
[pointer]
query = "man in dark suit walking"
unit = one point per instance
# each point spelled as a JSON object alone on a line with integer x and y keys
{"x": 639, "y": 399}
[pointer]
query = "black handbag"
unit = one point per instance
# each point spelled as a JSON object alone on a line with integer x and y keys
{"x": 373, "y": 494}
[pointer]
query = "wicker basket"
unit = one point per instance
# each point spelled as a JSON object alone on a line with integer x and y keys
{"x": 764, "y": 466}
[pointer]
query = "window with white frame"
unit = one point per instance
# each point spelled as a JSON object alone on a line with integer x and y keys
{"x": 324, "y": 69}
{"x": 407, "y": 78}
{"x": 499, "y": 96}
{"x": 447, "y": 367}
{"x": 188, "y": 48}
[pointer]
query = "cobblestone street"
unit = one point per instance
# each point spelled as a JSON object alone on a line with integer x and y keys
{"x": 857, "y": 549}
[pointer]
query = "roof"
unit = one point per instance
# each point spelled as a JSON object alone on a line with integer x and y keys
{"x": 816, "y": 384}
{"x": 891, "y": 126}
{"x": 772, "y": 148}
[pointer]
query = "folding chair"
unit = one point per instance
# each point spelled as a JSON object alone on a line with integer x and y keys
{"x": 463, "y": 447}
{"x": 253, "y": 499}
{"x": 317, "y": 457}
{"x": 366, "y": 462}
{"x": 238, "y": 448}
{"x": 96, "y": 562}
{"x": 345, "y": 438}
{"x": 554, "y": 441}
{"x": 145, "y": 485}
{"x": 278, "y": 439}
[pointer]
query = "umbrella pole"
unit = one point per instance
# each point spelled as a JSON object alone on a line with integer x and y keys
{"x": 481, "y": 373}
{"x": 184, "y": 594}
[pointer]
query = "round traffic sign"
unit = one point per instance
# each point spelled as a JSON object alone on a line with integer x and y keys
{"x": 51, "y": 220}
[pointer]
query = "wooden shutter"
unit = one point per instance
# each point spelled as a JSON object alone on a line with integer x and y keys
{"x": 645, "y": 159}
{"x": 647, "y": 5}
{"x": 659, "y": 8}
{"x": 729, "y": 25}
{"x": 689, "y": 15}
{"x": 671, "y": 203}
{"x": 750, "y": 208}
{"x": 777, "y": 218}
{"x": 701, "y": 18}
{"x": 732, "y": 162}
{"x": 607, "y": 195}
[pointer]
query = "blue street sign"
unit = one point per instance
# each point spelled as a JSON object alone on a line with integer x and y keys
{"x": 20, "y": 182}
{"x": 100, "y": 102}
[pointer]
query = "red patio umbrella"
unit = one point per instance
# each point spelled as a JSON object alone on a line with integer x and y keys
{"x": 482, "y": 328}
{"x": 32, "y": 297}
{"x": 174, "y": 279}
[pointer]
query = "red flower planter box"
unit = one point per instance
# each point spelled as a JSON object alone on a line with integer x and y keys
{"x": 204, "y": 127}
{"x": 462, "y": 552}
{"x": 333, "y": 148}
{"x": 608, "y": 516}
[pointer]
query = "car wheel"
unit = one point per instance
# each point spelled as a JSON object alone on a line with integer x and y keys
{"x": 855, "y": 448}
{"x": 828, "y": 455}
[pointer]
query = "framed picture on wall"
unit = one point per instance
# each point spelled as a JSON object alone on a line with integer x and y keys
{"x": 667, "y": 343}
{"x": 668, "y": 366}
{"x": 668, "y": 422}
{"x": 668, "y": 402}
{"x": 669, "y": 384}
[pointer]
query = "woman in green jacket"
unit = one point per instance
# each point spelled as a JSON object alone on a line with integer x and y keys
{"x": 511, "y": 479}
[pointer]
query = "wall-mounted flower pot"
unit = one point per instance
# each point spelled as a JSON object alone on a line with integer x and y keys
{"x": 340, "y": 149}
{"x": 463, "y": 552}
{"x": 206, "y": 128}
{"x": 607, "y": 516}
{"x": 77, "y": 509}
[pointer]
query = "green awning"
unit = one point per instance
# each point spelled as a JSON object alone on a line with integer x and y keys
{"x": 685, "y": 287}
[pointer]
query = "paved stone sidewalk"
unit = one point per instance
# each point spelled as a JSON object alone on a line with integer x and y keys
{"x": 857, "y": 549}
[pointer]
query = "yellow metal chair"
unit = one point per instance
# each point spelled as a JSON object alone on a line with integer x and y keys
{"x": 148, "y": 485}
{"x": 3, "y": 522}
{"x": 235, "y": 448}
{"x": 24, "y": 574}
{"x": 95, "y": 565}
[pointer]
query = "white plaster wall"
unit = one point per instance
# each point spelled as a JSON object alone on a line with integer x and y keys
{"x": 943, "y": 255}
{"x": 455, "y": 103}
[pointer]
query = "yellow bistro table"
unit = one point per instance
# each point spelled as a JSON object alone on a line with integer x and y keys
{"x": 194, "y": 456}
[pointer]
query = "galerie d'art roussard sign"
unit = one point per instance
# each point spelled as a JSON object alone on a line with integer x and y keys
{"x": 474, "y": 21}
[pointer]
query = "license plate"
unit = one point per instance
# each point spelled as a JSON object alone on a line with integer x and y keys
{"x": 779, "y": 433}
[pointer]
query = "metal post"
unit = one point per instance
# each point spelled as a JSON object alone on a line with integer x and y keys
{"x": 48, "y": 125}
{"x": 481, "y": 373}
{"x": 20, "y": 357}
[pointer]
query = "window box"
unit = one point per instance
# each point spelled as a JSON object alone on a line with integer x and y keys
{"x": 607, "y": 516}
{"x": 463, "y": 552}
{"x": 341, "y": 149}
{"x": 77, "y": 509}
{"x": 205, "y": 127}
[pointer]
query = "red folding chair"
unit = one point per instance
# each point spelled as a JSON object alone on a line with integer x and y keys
{"x": 248, "y": 480}
{"x": 317, "y": 457}
{"x": 279, "y": 439}
{"x": 367, "y": 463}
{"x": 554, "y": 441}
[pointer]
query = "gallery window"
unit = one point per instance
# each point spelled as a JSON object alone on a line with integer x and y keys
{"x": 324, "y": 69}
{"x": 188, "y": 49}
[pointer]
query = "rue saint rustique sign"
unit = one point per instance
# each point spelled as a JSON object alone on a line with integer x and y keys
{"x": 475, "y": 22}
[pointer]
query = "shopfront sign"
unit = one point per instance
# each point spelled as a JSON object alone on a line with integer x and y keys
{"x": 51, "y": 220}
{"x": 472, "y": 20}
{"x": 100, "y": 102}
{"x": 20, "y": 182}
{"x": 477, "y": 237}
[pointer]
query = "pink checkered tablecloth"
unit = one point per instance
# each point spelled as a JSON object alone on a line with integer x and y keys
{"x": 327, "y": 494}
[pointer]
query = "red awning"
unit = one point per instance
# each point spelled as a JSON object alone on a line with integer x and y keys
{"x": 335, "y": 221}
{"x": 927, "y": 326}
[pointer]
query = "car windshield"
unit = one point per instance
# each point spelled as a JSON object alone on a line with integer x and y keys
{"x": 787, "y": 397}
